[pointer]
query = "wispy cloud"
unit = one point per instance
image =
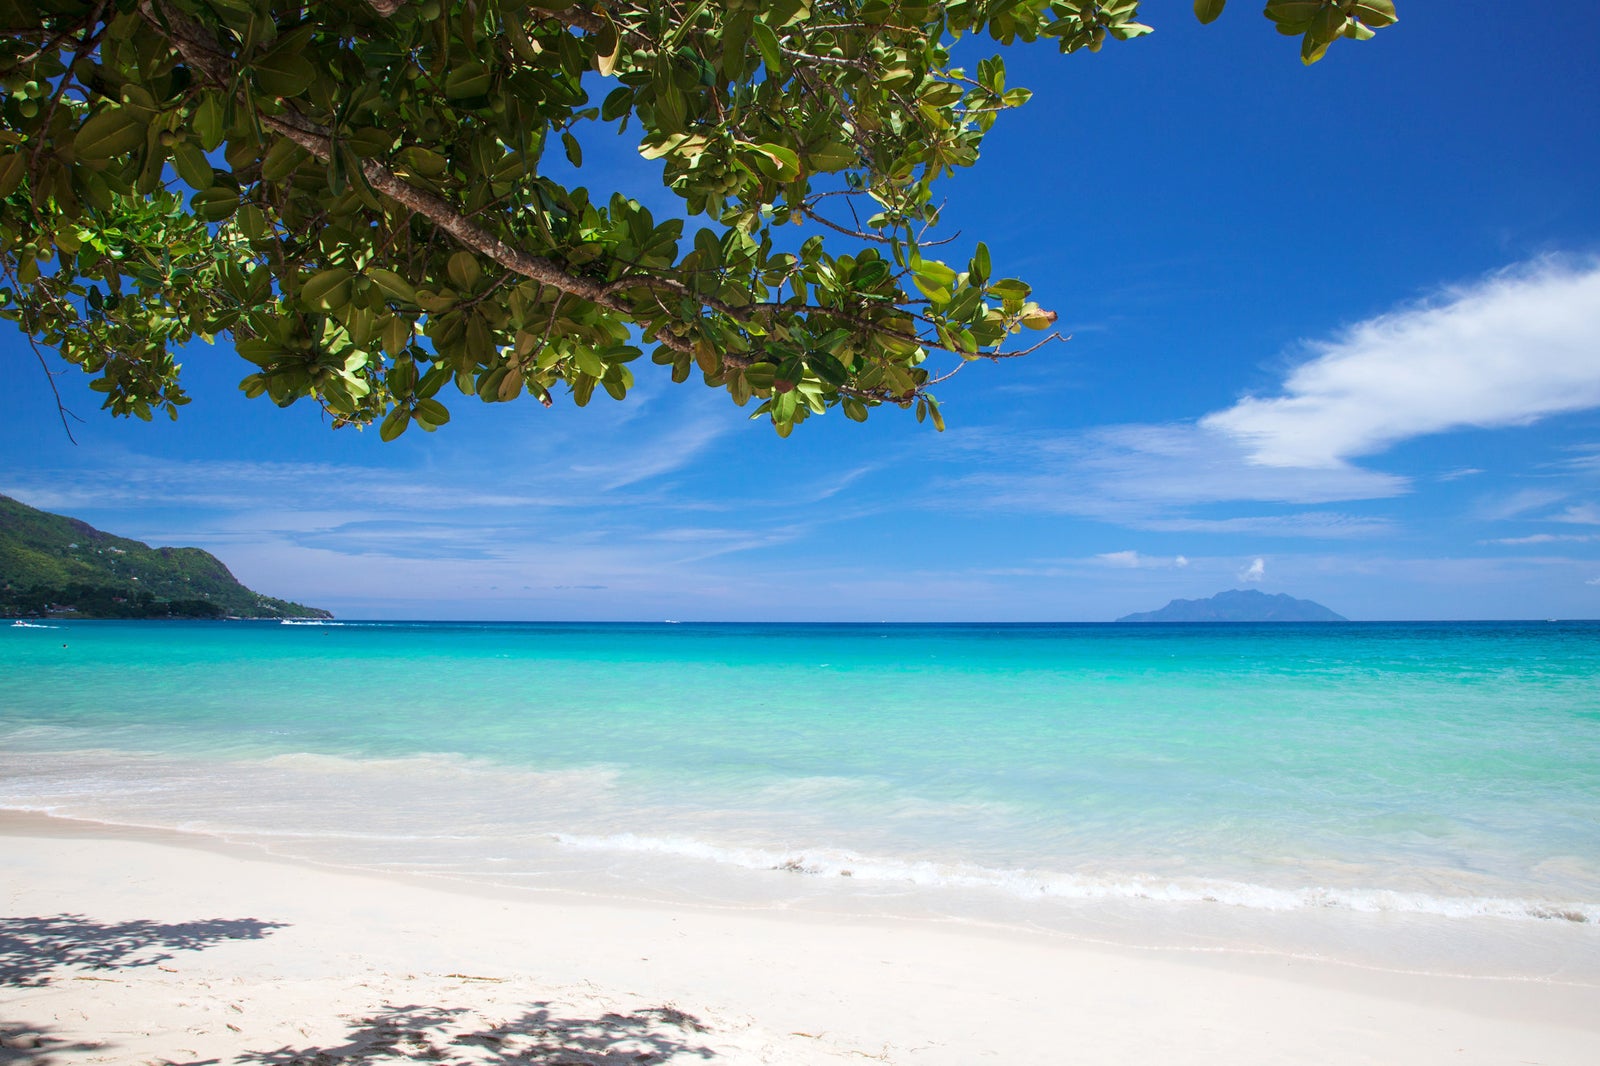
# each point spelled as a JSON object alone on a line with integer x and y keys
{"x": 1133, "y": 560}
{"x": 1168, "y": 478}
{"x": 1545, "y": 538}
{"x": 1255, "y": 572}
{"x": 1585, "y": 514}
{"x": 678, "y": 447}
{"x": 1512, "y": 349}
{"x": 1508, "y": 351}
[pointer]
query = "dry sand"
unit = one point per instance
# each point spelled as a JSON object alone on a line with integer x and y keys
{"x": 127, "y": 946}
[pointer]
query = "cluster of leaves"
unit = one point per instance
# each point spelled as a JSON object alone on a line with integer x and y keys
{"x": 352, "y": 191}
{"x": 1318, "y": 23}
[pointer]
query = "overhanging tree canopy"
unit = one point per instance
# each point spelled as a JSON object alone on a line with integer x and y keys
{"x": 355, "y": 191}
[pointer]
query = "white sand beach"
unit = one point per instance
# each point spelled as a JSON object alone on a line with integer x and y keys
{"x": 132, "y": 946}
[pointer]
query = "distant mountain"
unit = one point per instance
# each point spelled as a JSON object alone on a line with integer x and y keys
{"x": 50, "y": 564}
{"x": 1239, "y": 605}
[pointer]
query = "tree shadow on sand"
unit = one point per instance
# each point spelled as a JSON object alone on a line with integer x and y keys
{"x": 33, "y": 950}
{"x": 35, "y": 1045}
{"x": 539, "y": 1036}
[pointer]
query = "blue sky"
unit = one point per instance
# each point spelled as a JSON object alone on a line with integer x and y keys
{"x": 1335, "y": 333}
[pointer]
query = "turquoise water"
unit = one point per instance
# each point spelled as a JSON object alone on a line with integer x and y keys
{"x": 1188, "y": 776}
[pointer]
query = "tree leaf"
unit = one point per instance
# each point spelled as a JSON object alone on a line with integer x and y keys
{"x": 467, "y": 80}
{"x": 192, "y": 166}
{"x": 1375, "y": 12}
{"x": 327, "y": 289}
{"x": 207, "y": 122}
{"x": 607, "y": 44}
{"x": 773, "y": 160}
{"x": 215, "y": 204}
{"x": 431, "y": 412}
{"x": 1208, "y": 10}
{"x": 13, "y": 166}
{"x": 767, "y": 44}
{"x": 464, "y": 270}
{"x": 395, "y": 424}
{"x": 283, "y": 73}
{"x": 392, "y": 284}
{"x": 111, "y": 132}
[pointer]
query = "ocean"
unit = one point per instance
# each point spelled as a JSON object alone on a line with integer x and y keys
{"x": 1421, "y": 796}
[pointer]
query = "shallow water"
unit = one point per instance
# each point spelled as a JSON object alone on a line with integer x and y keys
{"x": 1406, "y": 795}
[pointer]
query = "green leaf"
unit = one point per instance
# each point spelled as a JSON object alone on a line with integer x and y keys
{"x": 207, "y": 122}
{"x": 618, "y": 102}
{"x": 425, "y": 161}
{"x": 735, "y": 39}
{"x": 283, "y": 73}
{"x": 327, "y": 290}
{"x": 215, "y": 204}
{"x": 832, "y": 156}
{"x": 395, "y": 424}
{"x": 464, "y": 270}
{"x": 467, "y": 80}
{"x": 767, "y": 45}
{"x": 933, "y": 272}
{"x": 281, "y": 160}
{"x": 112, "y": 132}
{"x": 1375, "y": 12}
{"x": 431, "y": 412}
{"x": 607, "y": 44}
{"x": 1010, "y": 289}
{"x": 574, "y": 149}
{"x": 1293, "y": 17}
{"x": 13, "y": 165}
{"x": 192, "y": 166}
{"x": 393, "y": 285}
{"x": 1208, "y": 10}
{"x": 773, "y": 160}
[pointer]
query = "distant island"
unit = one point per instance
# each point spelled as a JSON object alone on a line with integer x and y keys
{"x": 1239, "y": 605}
{"x": 54, "y": 566}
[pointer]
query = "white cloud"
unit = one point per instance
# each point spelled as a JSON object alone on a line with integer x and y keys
{"x": 1132, "y": 560}
{"x": 1517, "y": 504}
{"x": 1583, "y": 514}
{"x": 1544, "y": 538}
{"x": 1587, "y": 461}
{"x": 1593, "y": 581}
{"x": 1255, "y": 571}
{"x": 1512, "y": 349}
{"x": 1508, "y": 351}
{"x": 1155, "y": 477}
{"x": 1322, "y": 524}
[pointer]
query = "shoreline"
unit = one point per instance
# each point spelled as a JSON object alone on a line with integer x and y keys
{"x": 1549, "y": 949}
{"x": 219, "y": 952}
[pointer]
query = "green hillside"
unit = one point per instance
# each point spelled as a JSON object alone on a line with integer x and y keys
{"x": 50, "y": 564}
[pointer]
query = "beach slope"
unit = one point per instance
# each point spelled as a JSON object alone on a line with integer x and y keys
{"x": 130, "y": 946}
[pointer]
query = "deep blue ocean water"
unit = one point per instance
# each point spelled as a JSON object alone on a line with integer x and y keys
{"x": 1188, "y": 778}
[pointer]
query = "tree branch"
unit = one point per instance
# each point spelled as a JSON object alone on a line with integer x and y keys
{"x": 201, "y": 51}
